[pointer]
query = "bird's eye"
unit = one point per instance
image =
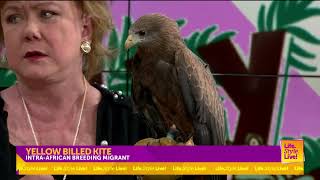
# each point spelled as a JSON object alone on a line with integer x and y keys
{"x": 141, "y": 33}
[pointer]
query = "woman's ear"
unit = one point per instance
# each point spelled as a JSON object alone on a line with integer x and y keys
{"x": 87, "y": 29}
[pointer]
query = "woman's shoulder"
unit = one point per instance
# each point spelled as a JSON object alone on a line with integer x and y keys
{"x": 116, "y": 120}
{"x": 8, "y": 94}
{"x": 114, "y": 98}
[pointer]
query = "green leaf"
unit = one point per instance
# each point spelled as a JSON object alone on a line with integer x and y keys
{"x": 294, "y": 48}
{"x": 192, "y": 41}
{"x": 282, "y": 11}
{"x": 299, "y": 15}
{"x": 113, "y": 39}
{"x": 302, "y": 34}
{"x": 203, "y": 38}
{"x": 113, "y": 44}
{"x": 223, "y": 36}
{"x": 132, "y": 52}
{"x": 116, "y": 82}
{"x": 312, "y": 149}
{"x": 292, "y": 5}
{"x": 310, "y": 12}
{"x": 186, "y": 41}
{"x": 118, "y": 76}
{"x": 125, "y": 31}
{"x": 120, "y": 87}
{"x": 315, "y": 147}
{"x": 7, "y": 77}
{"x": 308, "y": 158}
{"x": 287, "y": 12}
{"x": 261, "y": 19}
{"x": 226, "y": 122}
{"x": 299, "y": 65}
{"x": 271, "y": 14}
{"x": 181, "y": 22}
{"x": 305, "y": 3}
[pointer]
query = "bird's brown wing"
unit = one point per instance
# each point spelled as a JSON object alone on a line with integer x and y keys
{"x": 143, "y": 94}
{"x": 157, "y": 94}
{"x": 201, "y": 98}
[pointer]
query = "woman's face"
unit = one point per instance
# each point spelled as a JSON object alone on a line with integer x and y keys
{"x": 42, "y": 38}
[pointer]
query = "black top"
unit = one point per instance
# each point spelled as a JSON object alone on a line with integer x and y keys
{"x": 116, "y": 123}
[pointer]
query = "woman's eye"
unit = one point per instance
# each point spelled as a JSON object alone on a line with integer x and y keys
{"x": 14, "y": 19}
{"x": 47, "y": 14}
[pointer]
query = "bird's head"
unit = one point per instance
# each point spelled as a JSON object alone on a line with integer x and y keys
{"x": 151, "y": 31}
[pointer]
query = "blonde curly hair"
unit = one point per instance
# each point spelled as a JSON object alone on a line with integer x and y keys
{"x": 101, "y": 19}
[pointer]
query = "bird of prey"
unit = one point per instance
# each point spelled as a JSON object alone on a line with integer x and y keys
{"x": 171, "y": 85}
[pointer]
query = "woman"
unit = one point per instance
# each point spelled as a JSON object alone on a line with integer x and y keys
{"x": 54, "y": 47}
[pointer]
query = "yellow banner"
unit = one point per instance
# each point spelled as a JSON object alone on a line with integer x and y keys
{"x": 166, "y": 168}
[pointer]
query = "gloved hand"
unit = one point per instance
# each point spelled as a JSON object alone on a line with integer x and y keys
{"x": 164, "y": 141}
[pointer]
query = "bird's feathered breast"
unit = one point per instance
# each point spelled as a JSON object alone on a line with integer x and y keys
{"x": 157, "y": 93}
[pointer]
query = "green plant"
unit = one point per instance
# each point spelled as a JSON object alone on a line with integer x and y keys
{"x": 198, "y": 39}
{"x": 117, "y": 77}
{"x": 7, "y": 77}
{"x": 284, "y": 15}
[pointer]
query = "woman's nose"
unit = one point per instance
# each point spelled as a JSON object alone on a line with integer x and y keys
{"x": 32, "y": 31}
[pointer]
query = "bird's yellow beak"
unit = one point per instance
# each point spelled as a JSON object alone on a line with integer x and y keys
{"x": 131, "y": 41}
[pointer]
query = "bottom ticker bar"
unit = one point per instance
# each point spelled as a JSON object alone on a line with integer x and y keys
{"x": 163, "y": 168}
